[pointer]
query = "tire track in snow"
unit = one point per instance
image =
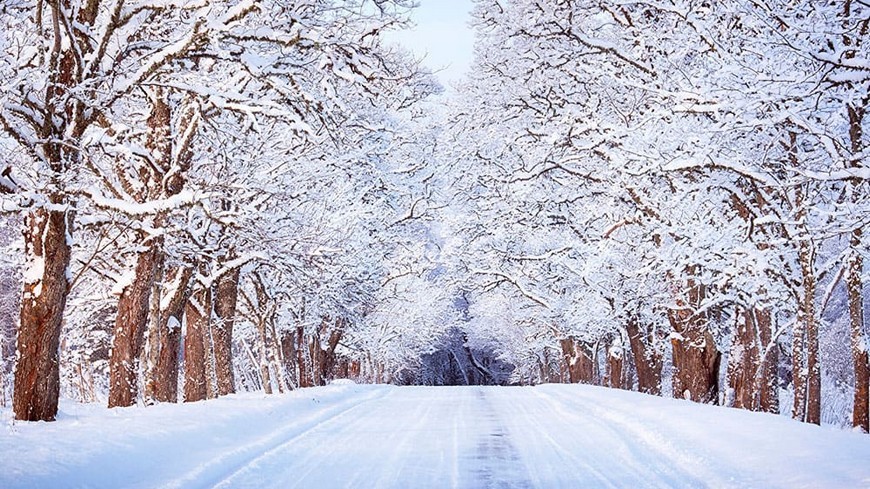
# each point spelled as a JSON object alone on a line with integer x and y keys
{"x": 229, "y": 480}
{"x": 217, "y": 470}
{"x": 391, "y": 478}
{"x": 532, "y": 427}
{"x": 564, "y": 441}
{"x": 375, "y": 448}
{"x": 499, "y": 460}
{"x": 621, "y": 448}
{"x": 392, "y": 466}
{"x": 454, "y": 468}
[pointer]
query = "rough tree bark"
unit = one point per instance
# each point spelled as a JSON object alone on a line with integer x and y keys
{"x": 302, "y": 358}
{"x": 37, "y": 372}
{"x": 197, "y": 314}
{"x": 130, "y": 325}
{"x": 578, "y": 360}
{"x": 614, "y": 376}
{"x": 752, "y": 362}
{"x": 754, "y": 356}
{"x": 162, "y": 383}
{"x": 314, "y": 357}
{"x": 46, "y": 233}
{"x": 264, "y": 309}
{"x": 766, "y": 381}
{"x": 695, "y": 356}
{"x": 332, "y": 344}
{"x": 805, "y": 338}
{"x": 855, "y": 286}
{"x": 275, "y": 354}
{"x": 288, "y": 348}
{"x": 324, "y": 358}
{"x": 343, "y": 369}
{"x": 210, "y": 375}
{"x": 151, "y": 349}
{"x": 743, "y": 361}
{"x": 354, "y": 370}
{"x": 807, "y": 314}
{"x": 856, "y": 112}
{"x": 647, "y": 358}
{"x": 225, "y": 298}
{"x": 157, "y": 179}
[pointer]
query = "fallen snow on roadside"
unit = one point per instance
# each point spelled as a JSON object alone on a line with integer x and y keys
{"x": 349, "y": 435}
{"x": 165, "y": 445}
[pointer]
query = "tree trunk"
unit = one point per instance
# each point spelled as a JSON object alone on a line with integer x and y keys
{"x": 265, "y": 314}
{"x": 814, "y": 380}
{"x": 855, "y": 286}
{"x": 379, "y": 373}
{"x": 647, "y": 358}
{"x": 134, "y": 303}
{"x": 210, "y": 374}
{"x": 564, "y": 366}
{"x": 265, "y": 377}
{"x": 799, "y": 372}
{"x": 226, "y": 296}
{"x": 695, "y": 356}
{"x": 37, "y": 374}
{"x": 327, "y": 356}
{"x": 571, "y": 375}
{"x": 614, "y": 371}
{"x": 314, "y": 359}
{"x": 197, "y": 314}
{"x": 288, "y": 349}
{"x": 743, "y": 362}
{"x": 274, "y": 354}
{"x": 807, "y": 374}
{"x": 281, "y": 362}
{"x": 752, "y": 363}
{"x": 152, "y": 337}
{"x": 578, "y": 358}
{"x": 343, "y": 369}
{"x": 753, "y": 347}
{"x": 162, "y": 385}
{"x": 47, "y": 250}
{"x": 302, "y": 358}
{"x": 767, "y": 384}
{"x": 354, "y": 369}
{"x": 263, "y": 355}
{"x": 805, "y": 338}
{"x": 130, "y": 325}
{"x": 696, "y": 367}
{"x": 585, "y": 362}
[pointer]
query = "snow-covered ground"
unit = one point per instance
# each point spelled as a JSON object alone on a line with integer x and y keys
{"x": 397, "y": 437}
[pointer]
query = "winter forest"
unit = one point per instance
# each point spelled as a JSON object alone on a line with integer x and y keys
{"x": 204, "y": 197}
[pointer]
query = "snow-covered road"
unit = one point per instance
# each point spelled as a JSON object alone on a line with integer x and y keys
{"x": 475, "y": 437}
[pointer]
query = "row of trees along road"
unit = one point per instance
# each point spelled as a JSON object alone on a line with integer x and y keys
{"x": 198, "y": 141}
{"x": 669, "y": 181}
{"x": 249, "y": 194}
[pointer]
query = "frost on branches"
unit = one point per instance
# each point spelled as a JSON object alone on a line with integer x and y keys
{"x": 669, "y": 198}
{"x": 674, "y": 191}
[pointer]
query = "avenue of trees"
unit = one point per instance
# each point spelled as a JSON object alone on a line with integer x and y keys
{"x": 181, "y": 167}
{"x": 222, "y": 195}
{"x": 671, "y": 195}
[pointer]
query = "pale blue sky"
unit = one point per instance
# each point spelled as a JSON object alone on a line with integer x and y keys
{"x": 443, "y": 36}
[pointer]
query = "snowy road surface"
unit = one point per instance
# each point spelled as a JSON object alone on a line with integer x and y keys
{"x": 401, "y": 437}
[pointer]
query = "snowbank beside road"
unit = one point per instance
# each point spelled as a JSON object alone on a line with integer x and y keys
{"x": 381, "y": 436}
{"x": 167, "y": 445}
